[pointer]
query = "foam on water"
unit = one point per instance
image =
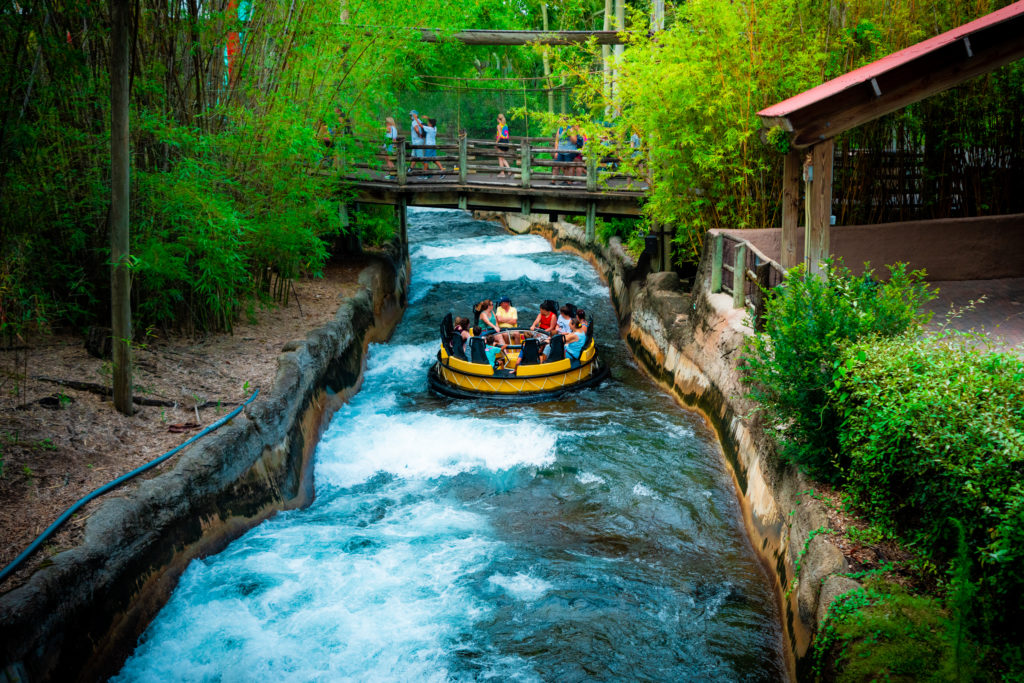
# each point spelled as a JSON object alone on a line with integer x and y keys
{"x": 425, "y": 445}
{"x": 487, "y": 245}
{"x": 274, "y": 612}
{"x": 589, "y": 478}
{"x": 522, "y": 586}
{"x": 644, "y": 491}
{"x": 497, "y": 268}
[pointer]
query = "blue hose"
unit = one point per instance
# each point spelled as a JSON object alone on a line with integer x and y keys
{"x": 9, "y": 569}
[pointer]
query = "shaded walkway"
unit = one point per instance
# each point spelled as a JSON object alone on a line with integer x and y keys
{"x": 1000, "y": 315}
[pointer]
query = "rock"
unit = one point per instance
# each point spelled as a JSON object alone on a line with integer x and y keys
{"x": 832, "y": 588}
{"x": 821, "y": 560}
{"x": 662, "y": 282}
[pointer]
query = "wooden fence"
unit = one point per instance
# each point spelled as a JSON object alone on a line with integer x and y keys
{"x": 740, "y": 269}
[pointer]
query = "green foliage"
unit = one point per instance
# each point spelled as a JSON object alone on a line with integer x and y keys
{"x": 882, "y": 632}
{"x": 934, "y": 430}
{"x": 232, "y": 193}
{"x": 790, "y": 366}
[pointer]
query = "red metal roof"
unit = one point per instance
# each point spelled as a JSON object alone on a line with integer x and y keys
{"x": 1007, "y": 41}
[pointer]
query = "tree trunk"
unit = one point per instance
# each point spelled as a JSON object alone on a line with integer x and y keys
{"x": 120, "y": 275}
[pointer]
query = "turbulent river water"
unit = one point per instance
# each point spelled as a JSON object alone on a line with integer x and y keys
{"x": 593, "y": 537}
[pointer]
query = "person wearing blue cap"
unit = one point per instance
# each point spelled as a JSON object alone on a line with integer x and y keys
{"x": 506, "y": 316}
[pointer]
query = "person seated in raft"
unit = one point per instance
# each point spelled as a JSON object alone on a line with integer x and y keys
{"x": 545, "y": 321}
{"x": 574, "y": 340}
{"x": 491, "y": 350}
{"x": 581, "y": 316}
{"x": 462, "y": 327}
{"x": 563, "y": 324}
{"x": 484, "y": 314}
{"x": 507, "y": 316}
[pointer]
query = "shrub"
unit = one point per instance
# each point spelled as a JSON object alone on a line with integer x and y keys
{"x": 790, "y": 365}
{"x": 934, "y": 431}
{"x": 881, "y": 632}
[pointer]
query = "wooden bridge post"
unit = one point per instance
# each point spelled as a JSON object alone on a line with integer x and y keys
{"x": 403, "y": 224}
{"x": 401, "y": 161}
{"x": 524, "y": 153}
{"x": 463, "y": 156}
{"x": 739, "y": 277}
{"x": 591, "y": 222}
{"x": 591, "y": 171}
{"x": 716, "y": 263}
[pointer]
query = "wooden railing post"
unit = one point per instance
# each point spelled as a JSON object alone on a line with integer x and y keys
{"x": 401, "y": 161}
{"x": 591, "y": 171}
{"x": 524, "y": 153}
{"x": 716, "y": 263}
{"x": 739, "y": 274}
{"x": 463, "y": 156}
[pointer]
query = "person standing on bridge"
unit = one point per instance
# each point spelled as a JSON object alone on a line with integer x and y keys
{"x": 565, "y": 143}
{"x": 502, "y": 138}
{"x": 430, "y": 130}
{"x": 417, "y": 137}
{"x": 391, "y": 133}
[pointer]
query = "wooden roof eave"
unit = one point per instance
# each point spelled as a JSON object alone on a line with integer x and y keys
{"x": 878, "y": 89}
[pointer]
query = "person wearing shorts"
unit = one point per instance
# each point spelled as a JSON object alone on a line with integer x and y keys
{"x": 501, "y": 136}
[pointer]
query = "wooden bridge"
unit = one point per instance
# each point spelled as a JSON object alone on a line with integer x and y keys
{"x": 475, "y": 177}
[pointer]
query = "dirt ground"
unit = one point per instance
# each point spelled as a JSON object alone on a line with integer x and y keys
{"x": 59, "y": 443}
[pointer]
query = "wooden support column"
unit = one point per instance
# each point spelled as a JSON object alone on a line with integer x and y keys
{"x": 666, "y": 248}
{"x": 791, "y": 172}
{"x": 120, "y": 270}
{"x": 591, "y": 222}
{"x": 403, "y": 224}
{"x": 606, "y": 64}
{"x": 547, "y": 63}
{"x": 401, "y": 172}
{"x": 592, "y": 171}
{"x": 525, "y": 207}
{"x": 819, "y": 206}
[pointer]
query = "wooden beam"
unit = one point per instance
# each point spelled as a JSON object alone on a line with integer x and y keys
{"x": 819, "y": 200}
{"x": 480, "y": 37}
{"x": 790, "y": 208}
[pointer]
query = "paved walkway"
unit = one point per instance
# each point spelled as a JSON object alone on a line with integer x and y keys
{"x": 1000, "y": 315}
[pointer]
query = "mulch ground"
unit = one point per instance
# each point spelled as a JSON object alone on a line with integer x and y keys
{"x": 58, "y": 443}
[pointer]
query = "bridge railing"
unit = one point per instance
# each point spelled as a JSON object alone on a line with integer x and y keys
{"x": 742, "y": 270}
{"x": 529, "y": 162}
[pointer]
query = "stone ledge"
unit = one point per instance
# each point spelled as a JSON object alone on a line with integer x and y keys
{"x": 79, "y": 617}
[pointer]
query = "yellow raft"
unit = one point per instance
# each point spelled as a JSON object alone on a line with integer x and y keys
{"x": 516, "y": 374}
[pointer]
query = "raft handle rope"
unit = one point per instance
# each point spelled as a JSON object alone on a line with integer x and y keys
{"x": 9, "y": 569}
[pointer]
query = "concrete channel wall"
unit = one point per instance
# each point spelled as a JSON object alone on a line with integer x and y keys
{"x": 78, "y": 618}
{"x": 690, "y": 343}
